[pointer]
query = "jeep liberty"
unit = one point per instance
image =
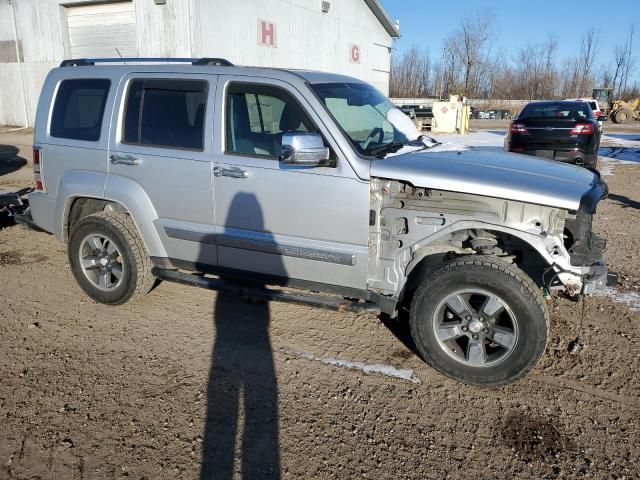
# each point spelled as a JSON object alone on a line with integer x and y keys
{"x": 197, "y": 171}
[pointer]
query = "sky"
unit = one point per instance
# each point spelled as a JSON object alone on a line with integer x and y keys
{"x": 427, "y": 23}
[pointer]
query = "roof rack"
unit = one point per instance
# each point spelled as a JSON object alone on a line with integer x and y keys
{"x": 83, "y": 62}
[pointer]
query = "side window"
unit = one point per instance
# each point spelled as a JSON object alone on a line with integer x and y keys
{"x": 258, "y": 115}
{"x": 165, "y": 113}
{"x": 79, "y": 108}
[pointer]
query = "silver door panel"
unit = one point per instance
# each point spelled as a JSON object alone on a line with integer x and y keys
{"x": 294, "y": 201}
{"x": 296, "y": 268}
{"x": 177, "y": 181}
{"x": 293, "y": 257}
{"x": 189, "y": 241}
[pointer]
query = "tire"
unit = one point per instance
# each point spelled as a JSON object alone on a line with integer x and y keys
{"x": 87, "y": 252}
{"x": 507, "y": 345}
{"x": 591, "y": 161}
{"x": 622, "y": 116}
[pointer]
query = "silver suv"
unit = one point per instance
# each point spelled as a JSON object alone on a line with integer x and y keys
{"x": 183, "y": 169}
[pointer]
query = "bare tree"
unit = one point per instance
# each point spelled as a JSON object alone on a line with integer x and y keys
{"x": 448, "y": 70}
{"x": 588, "y": 51}
{"x": 619, "y": 60}
{"x": 469, "y": 43}
{"x": 411, "y": 74}
{"x": 468, "y": 65}
{"x": 578, "y": 76}
{"x": 629, "y": 64}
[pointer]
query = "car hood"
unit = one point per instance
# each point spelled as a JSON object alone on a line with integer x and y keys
{"x": 495, "y": 174}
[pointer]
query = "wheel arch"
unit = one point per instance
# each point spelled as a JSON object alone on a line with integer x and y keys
{"x": 527, "y": 251}
{"x": 80, "y": 207}
{"x": 94, "y": 193}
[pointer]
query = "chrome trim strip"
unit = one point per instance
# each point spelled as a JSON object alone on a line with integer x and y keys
{"x": 328, "y": 256}
{"x": 549, "y": 128}
{"x": 190, "y": 235}
{"x": 339, "y": 258}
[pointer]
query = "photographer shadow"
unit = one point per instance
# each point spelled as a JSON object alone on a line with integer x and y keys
{"x": 242, "y": 392}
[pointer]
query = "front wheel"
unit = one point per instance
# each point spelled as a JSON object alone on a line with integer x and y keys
{"x": 480, "y": 320}
{"x": 622, "y": 116}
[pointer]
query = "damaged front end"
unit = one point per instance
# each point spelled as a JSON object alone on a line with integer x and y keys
{"x": 585, "y": 247}
{"x": 411, "y": 227}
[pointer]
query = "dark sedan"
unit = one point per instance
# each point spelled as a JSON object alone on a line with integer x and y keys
{"x": 565, "y": 131}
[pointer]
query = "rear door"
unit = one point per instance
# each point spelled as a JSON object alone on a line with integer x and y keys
{"x": 160, "y": 149}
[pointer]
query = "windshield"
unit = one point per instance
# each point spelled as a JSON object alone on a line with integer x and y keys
{"x": 367, "y": 117}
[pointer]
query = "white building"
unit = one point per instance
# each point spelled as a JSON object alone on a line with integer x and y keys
{"x": 352, "y": 37}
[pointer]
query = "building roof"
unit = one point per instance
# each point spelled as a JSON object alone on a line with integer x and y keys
{"x": 382, "y": 16}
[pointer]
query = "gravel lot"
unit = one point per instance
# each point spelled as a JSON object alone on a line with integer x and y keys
{"x": 146, "y": 390}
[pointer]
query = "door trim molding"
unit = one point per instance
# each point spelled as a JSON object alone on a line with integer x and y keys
{"x": 262, "y": 246}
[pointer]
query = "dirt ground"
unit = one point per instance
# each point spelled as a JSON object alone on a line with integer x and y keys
{"x": 149, "y": 389}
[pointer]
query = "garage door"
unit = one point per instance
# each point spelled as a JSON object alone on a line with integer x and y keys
{"x": 102, "y": 30}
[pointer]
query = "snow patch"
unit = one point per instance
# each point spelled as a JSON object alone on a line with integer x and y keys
{"x": 474, "y": 139}
{"x": 607, "y": 165}
{"x": 620, "y": 140}
{"x": 455, "y": 143}
{"x": 402, "y": 122}
{"x": 381, "y": 368}
{"x": 631, "y": 299}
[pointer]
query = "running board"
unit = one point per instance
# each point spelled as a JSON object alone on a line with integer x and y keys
{"x": 266, "y": 294}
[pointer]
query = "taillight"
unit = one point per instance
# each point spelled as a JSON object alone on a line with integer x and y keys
{"x": 598, "y": 113}
{"x": 582, "y": 129}
{"x": 37, "y": 169}
{"x": 520, "y": 128}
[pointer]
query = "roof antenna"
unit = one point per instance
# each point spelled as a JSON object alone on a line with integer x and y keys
{"x": 120, "y": 55}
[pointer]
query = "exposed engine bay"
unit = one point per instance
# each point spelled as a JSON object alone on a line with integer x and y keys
{"x": 413, "y": 227}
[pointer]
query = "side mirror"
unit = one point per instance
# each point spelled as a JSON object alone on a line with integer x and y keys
{"x": 303, "y": 149}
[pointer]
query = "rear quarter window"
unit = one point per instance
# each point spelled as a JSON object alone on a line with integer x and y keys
{"x": 79, "y": 109}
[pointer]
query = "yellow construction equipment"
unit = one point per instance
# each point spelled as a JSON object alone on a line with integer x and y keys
{"x": 618, "y": 111}
{"x": 623, "y": 112}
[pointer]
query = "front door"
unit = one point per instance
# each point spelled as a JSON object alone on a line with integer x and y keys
{"x": 160, "y": 156}
{"x": 296, "y": 222}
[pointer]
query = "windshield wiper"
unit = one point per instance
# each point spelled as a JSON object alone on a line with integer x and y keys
{"x": 384, "y": 149}
{"x": 420, "y": 142}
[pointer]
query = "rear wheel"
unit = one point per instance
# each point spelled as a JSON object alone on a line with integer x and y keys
{"x": 479, "y": 320}
{"x": 108, "y": 258}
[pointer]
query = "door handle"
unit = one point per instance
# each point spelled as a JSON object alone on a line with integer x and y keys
{"x": 230, "y": 172}
{"x": 123, "y": 160}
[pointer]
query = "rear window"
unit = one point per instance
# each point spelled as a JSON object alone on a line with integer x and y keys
{"x": 569, "y": 111}
{"x": 79, "y": 108}
{"x": 165, "y": 113}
